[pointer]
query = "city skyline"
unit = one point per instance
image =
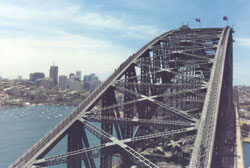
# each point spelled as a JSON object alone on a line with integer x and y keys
{"x": 98, "y": 36}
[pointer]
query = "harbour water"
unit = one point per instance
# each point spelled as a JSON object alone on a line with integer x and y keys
{"x": 246, "y": 150}
{"x": 20, "y": 128}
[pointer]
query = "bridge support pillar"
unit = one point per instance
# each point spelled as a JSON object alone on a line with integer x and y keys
{"x": 129, "y": 109}
{"x": 107, "y": 100}
{"x": 75, "y": 143}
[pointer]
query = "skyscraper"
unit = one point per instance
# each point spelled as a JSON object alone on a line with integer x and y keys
{"x": 63, "y": 80}
{"x": 79, "y": 74}
{"x": 53, "y": 73}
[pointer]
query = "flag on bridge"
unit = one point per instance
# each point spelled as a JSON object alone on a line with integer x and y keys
{"x": 225, "y": 18}
{"x": 198, "y": 19}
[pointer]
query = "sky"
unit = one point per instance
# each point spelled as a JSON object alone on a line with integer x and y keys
{"x": 96, "y": 36}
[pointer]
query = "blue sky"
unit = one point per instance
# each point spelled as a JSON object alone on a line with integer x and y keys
{"x": 97, "y": 35}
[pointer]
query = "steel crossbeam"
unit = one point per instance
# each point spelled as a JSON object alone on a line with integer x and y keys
{"x": 151, "y": 73}
{"x": 171, "y": 85}
{"x": 136, "y": 121}
{"x": 166, "y": 95}
{"x": 192, "y": 47}
{"x": 162, "y": 134}
{"x": 148, "y": 60}
{"x": 199, "y": 49}
{"x": 167, "y": 107}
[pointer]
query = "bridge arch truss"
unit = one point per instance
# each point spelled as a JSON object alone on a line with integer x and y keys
{"x": 167, "y": 104}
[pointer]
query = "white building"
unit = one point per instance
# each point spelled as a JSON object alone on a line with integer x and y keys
{"x": 63, "y": 81}
{"x": 75, "y": 85}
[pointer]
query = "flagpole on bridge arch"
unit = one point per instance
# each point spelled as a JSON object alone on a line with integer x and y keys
{"x": 198, "y": 20}
{"x": 226, "y": 19}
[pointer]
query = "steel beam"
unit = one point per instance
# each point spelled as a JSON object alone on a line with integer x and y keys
{"x": 137, "y": 121}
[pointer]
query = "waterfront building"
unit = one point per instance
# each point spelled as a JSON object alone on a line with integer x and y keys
{"x": 63, "y": 80}
{"x": 53, "y": 73}
{"x": 36, "y": 75}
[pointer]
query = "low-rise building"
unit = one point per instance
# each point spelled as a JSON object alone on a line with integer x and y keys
{"x": 45, "y": 82}
{"x": 36, "y": 75}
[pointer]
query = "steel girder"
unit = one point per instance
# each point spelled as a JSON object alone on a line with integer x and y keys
{"x": 159, "y": 107}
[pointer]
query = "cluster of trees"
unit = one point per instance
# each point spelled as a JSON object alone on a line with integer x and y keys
{"x": 245, "y": 130}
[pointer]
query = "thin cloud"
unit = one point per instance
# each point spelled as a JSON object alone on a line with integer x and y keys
{"x": 69, "y": 52}
{"x": 69, "y": 14}
{"x": 243, "y": 42}
{"x": 100, "y": 21}
{"x": 31, "y": 39}
{"x": 241, "y": 75}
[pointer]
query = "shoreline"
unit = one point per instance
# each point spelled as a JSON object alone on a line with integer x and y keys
{"x": 37, "y": 104}
{"x": 239, "y": 149}
{"x": 246, "y": 140}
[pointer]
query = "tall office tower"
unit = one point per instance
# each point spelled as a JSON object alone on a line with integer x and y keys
{"x": 63, "y": 82}
{"x": 79, "y": 74}
{"x": 53, "y": 73}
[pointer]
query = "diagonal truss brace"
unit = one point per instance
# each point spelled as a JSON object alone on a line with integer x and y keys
{"x": 63, "y": 158}
{"x": 172, "y": 109}
{"x": 166, "y": 95}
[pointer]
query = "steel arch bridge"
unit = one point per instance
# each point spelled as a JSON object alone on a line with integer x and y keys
{"x": 167, "y": 105}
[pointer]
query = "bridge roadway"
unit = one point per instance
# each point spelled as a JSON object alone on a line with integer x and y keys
{"x": 40, "y": 148}
{"x": 239, "y": 149}
{"x": 206, "y": 133}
